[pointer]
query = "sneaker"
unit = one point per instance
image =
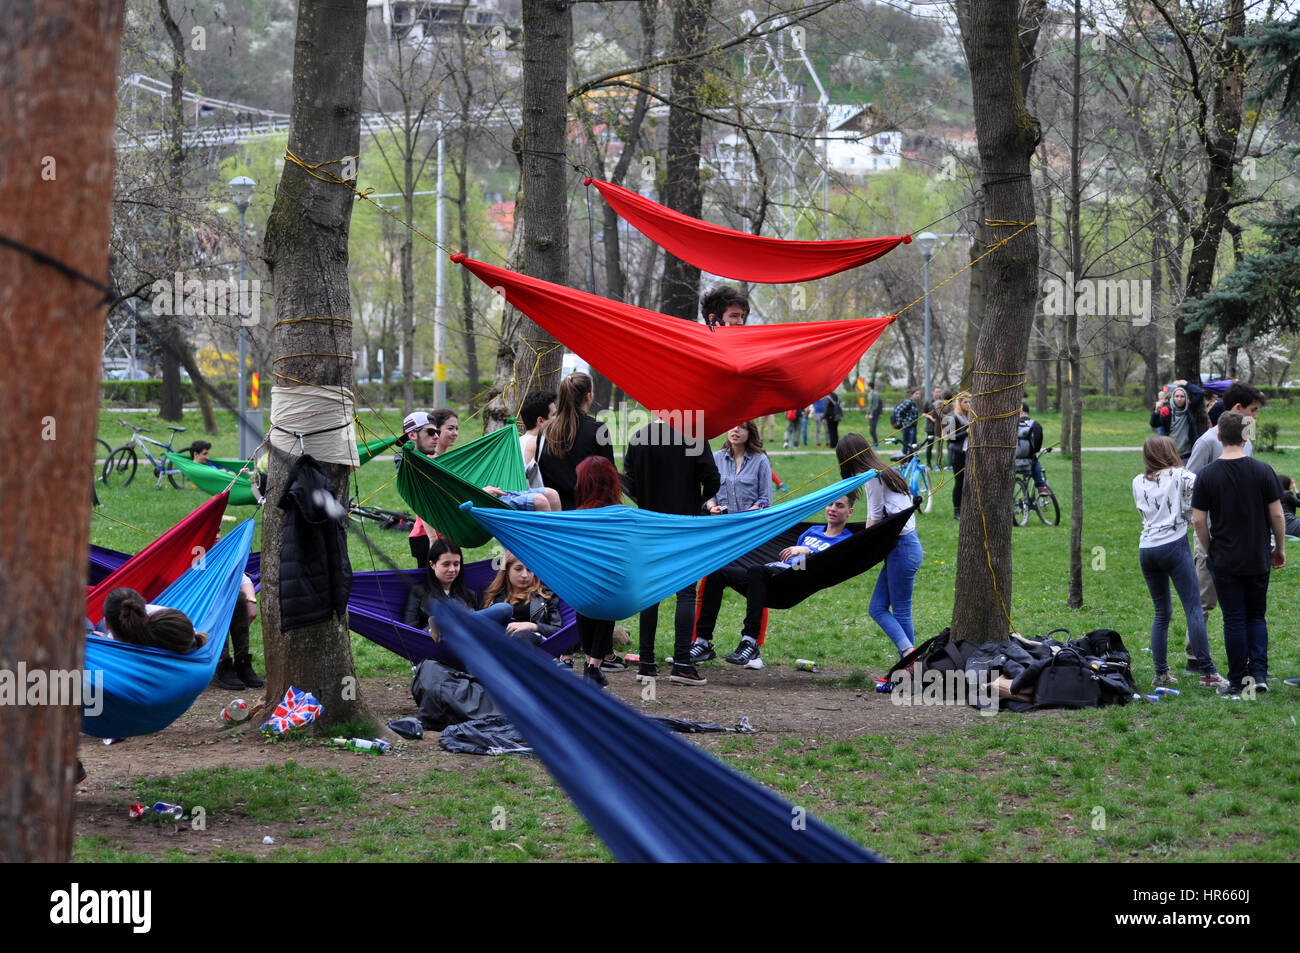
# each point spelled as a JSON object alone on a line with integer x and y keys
{"x": 1291, "y": 682}
{"x": 1227, "y": 688}
{"x": 1261, "y": 688}
{"x": 745, "y": 653}
{"x": 956, "y": 514}
{"x": 1165, "y": 678}
{"x": 702, "y": 651}
{"x": 686, "y": 675}
{"x": 1213, "y": 680}
{"x": 565, "y": 662}
{"x": 782, "y": 488}
{"x": 592, "y": 673}
{"x": 646, "y": 671}
{"x": 227, "y": 678}
{"x": 756, "y": 662}
{"x": 1044, "y": 491}
{"x": 612, "y": 663}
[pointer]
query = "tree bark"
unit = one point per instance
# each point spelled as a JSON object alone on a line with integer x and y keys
{"x": 307, "y": 252}
{"x": 680, "y": 284}
{"x": 999, "y": 48}
{"x": 532, "y": 359}
{"x": 58, "y": 64}
{"x": 1074, "y": 210}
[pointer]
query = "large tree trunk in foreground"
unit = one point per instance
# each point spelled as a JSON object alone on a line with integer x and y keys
{"x": 307, "y": 251}
{"x": 56, "y": 184}
{"x": 679, "y": 288}
{"x": 999, "y": 50}
{"x": 541, "y": 240}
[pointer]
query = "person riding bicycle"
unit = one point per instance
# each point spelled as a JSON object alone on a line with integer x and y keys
{"x": 1029, "y": 440}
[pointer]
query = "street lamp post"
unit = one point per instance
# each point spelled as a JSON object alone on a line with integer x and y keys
{"x": 241, "y": 193}
{"x": 927, "y": 241}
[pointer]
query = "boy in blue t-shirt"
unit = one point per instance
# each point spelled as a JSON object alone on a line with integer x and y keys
{"x": 752, "y": 582}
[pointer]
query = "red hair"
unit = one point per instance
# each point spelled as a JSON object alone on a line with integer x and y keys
{"x": 598, "y": 484}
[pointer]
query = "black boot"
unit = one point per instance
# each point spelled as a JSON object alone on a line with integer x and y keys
{"x": 244, "y": 670}
{"x": 226, "y": 676}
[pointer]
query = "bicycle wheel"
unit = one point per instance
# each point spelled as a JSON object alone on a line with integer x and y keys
{"x": 1020, "y": 503}
{"x": 119, "y": 468}
{"x": 925, "y": 490}
{"x": 1048, "y": 510}
{"x": 102, "y": 452}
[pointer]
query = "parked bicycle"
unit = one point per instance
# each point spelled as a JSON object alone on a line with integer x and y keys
{"x": 917, "y": 475}
{"x": 1025, "y": 496}
{"x": 102, "y": 452}
{"x": 119, "y": 469}
{"x": 387, "y": 519}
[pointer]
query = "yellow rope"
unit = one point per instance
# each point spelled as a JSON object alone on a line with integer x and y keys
{"x": 993, "y": 246}
{"x": 142, "y": 532}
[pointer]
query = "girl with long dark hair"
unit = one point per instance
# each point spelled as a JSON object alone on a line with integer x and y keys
{"x": 891, "y": 601}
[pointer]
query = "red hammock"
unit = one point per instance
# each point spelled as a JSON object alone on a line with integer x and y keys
{"x": 161, "y": 563}
{"x": 729, "y": 374}
{"x": 739, "y": 255}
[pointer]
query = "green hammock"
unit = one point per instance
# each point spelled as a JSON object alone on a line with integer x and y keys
{"x": 212, "y": 480}
{"x": 436, "y": 488}
{"x": 366, "y": 451}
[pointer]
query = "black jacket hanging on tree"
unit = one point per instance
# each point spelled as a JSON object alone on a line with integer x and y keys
{"x": 315, "y": 575}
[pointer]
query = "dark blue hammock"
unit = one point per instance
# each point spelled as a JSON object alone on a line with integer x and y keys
{"x": 648, "y": 794}
{"x": 145, "y": 689}
{"x": 643, "y": 557}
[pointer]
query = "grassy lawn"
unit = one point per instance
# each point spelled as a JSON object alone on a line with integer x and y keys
{"x": 1191, "y": 778}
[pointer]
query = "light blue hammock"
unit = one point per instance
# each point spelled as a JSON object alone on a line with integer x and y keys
{"x": 145, "y": 689}
{"x": 612, "y": 562}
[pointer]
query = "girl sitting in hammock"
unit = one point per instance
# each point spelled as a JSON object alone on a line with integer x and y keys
{"x": 129, "y": 619}
{"x": 535, "y": 612}
{"x": 445, "y": 579}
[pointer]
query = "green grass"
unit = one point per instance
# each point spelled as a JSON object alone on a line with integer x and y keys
{"x": 1191, "y": 778}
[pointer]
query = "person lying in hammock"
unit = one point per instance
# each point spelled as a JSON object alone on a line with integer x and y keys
{"x": 752, "y": 582}
{"x": 445, "y": 579}
{"x": 129, "y": 619}
{"x": 535, "y": 614}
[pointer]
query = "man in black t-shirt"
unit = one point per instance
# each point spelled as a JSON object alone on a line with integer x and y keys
{"x": 1240, "y": 496}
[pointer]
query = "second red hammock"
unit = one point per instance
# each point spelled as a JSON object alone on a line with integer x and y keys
{"x": 739, "y": 255}
{"x": 725, "y": 374}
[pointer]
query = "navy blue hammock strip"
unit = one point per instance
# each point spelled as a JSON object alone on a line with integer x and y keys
{"x": 632, "y": 779}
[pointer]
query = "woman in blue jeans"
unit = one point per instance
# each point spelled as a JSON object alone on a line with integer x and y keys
{"x": 891, "y": 601}
{"x": 1163, "y": 494}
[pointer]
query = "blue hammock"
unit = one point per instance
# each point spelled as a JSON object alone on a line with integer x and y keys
{"x": 649, "y": 795}
{"x": 637, "y": 558}
{"x": 145, "y": 689}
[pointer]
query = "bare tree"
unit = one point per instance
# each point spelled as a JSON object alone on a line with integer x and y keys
{"x": 307, "y": 252}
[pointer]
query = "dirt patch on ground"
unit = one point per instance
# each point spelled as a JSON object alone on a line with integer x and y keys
{"x": 780, "y": 703}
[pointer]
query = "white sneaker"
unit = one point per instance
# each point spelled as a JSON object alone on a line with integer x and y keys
{"x": 756, "y": 662}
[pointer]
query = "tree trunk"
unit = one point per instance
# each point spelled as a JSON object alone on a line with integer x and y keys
{"x": 542, "y": 222}
{"x": 307, "y": 252}
{"x": 680, "y": 286}
{"x": 1150, "y": 334}
{"x": 999, "y": 49}
{"x": 58, "y": 63}
{"x": 462, "y": 244}
{"x": 1074, "y": 210}
{"x": 1220, "y": 142}
{"x": 977, "y": 297}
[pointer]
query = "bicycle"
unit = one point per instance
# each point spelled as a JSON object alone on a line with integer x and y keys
{"x": 121, "y": 464}
{"x": 1025, "y": 496}
{"x": 387, "y": 519}
{"x": 97, "y": 465}
{"x": 917, "y": 476}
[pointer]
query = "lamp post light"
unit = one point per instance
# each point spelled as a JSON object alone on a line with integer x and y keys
{"x": 241, "y": 193}
{"x": 926, "y": 242}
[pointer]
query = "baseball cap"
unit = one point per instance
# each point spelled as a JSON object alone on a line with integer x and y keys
{"x": 415, "y": 421}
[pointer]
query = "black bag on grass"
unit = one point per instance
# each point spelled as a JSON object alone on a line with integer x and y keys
{"x": 938, "y": 654}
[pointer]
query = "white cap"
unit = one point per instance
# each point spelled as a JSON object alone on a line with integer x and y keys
{"x": 415, "y": 421}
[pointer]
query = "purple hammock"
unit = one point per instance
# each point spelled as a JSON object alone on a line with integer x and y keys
{"x": 376, "y": 603}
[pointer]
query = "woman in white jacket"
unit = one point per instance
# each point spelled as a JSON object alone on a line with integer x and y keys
{"x": 1163, "y": 494}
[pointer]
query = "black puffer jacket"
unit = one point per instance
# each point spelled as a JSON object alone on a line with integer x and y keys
{"x": 315, "y": 575}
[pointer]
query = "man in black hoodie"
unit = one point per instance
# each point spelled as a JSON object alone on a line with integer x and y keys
{"x": 667, "y": 472}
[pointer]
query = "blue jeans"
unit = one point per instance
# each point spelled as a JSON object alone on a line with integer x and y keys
{"x": 1243, "y": 600}
{"x": 909, "y": 438}
{"x": 502, "y": 613}
{"x": 891, "y": 602}
{"x": 1160, "y": 564}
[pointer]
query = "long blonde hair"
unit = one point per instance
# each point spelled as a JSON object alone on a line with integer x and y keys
{"x": 500, "y": 586}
